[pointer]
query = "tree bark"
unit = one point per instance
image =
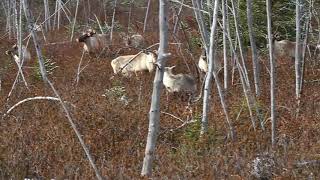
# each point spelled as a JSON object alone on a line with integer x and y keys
{"x": 47, "y": 15}
{"x": 74, "y": 20}
{"x": 154, "y": 114}
{"x": 254, "y": 54}
{"x": 202, "y": 29}
{"x": 225, "y": 58}
{"x": 298, "y": 52}
{"x": 272, "y": 76}
{"x": 208, "y": 80}
{"x": 113, "y": 17}
{"x": 236, "y": 24}
{"x": 146, "y": 17}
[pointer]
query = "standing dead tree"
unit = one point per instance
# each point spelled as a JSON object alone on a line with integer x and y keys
{"x": 46, "y": 80}
{"x": 244, "y": 77}
{"x": 74, "y": 20}
{"x": 146, "y": 16}
{"x": 298, "y": 54}
{"x": 154, "y": 113}
{"x": 210, "y": 50}
{"x": 113, "y": 17}
{"x": 225, "y": 58}
{"x": 47, "y": 23}
{"x": 272, "y": 76}
{"x": 254, "y": 54}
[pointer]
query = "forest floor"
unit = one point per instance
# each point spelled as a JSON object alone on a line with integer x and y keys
{"x": 37, "y": 140}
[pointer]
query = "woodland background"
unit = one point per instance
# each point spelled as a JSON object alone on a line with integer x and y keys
{"x": 38, "y": 142}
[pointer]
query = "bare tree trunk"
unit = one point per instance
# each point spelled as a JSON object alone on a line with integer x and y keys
{"x": 210, "y": 10}
{"x": 47, "y": 15}
{"x": 74, "y": 20}
{"x": 305, "y": 44}
{"x": 244, "y": 73}
{"x": 154, "y": 114}
{"x": 254, "y": 54}
{"x": 59, "y": 12}
{"x": 177, "y": 18}
{"x": 113, "y": 16}
{"x": 236, "y": 24}
{"x": 18, "y": 25}
{"x": 225, "y": 58}
{"x": 89, "y": 8}
{"x": 146, "y": 17}
{"x": 298, "y": 52}
{"x": 208, "y": 80}
{"x": 45, "y": 78}
{"x": 129, "y": 16}
{"x": 272, "y": 76}
{"x": 55, "y": 15}
{"x": 202, "y": 29}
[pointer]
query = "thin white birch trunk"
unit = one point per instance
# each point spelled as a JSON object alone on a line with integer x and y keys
{"x": 236, "y": 24}
{"x": 18, "y": 26}
{"x": 177, "y": 18}
{"x": 208, "y": 80}
{"x": 247, "y": 93}
{"x": 146, "y": 17}
{"x": 55, "y": 15}
{"x": 272, "y": 76}
{"x": 129, "y": 16}
{"x": 225, "y": 58}
{"x": 113, "y": 17}
{"x": 254, "y": 54}
{"x": 203, "y": 31}
{"x": 74, "y": 20}
{"x": 305, "y": 43}
{"x": 298, "y": 52}
{"x": 59, "y": 13}
{"x": 47, "y": 15}
{"x": 154, "y": 114}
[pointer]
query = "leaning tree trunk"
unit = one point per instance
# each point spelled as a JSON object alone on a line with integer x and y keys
{"x": 202, "y": 29}
{"x": 298, "y": 52}
{"x": 30, "y": 23}
{"x": 113, "y": 17}
{"x": 146, "y": 17}
{"x": 305, "y": 43}
{"x": 243, "y": 70}
{"x": 272, "y": 76}
{"x": 47, "y": 15}
{"x": 225, "y": 58}
{"x": 177, "y": 21}
{"x": 154, "y": 114}
{"x": 74, "y": 20}
{"x": 208, "y": 80}
{"x": 254, "y": 54}
{"x": 236, "y": 24}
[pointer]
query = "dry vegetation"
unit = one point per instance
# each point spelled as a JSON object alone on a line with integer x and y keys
{"x": 37, "y": 140}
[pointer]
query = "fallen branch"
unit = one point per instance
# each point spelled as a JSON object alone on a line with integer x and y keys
{"x": 29, "y": 99}
{"x": 175, "y": 117}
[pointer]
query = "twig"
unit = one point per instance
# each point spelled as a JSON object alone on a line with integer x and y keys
{"x": 79, "y": 66}
{"x": 182, "y": 125}
{"x": 173, "y": 116}
{"x": 185, "y": 5}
